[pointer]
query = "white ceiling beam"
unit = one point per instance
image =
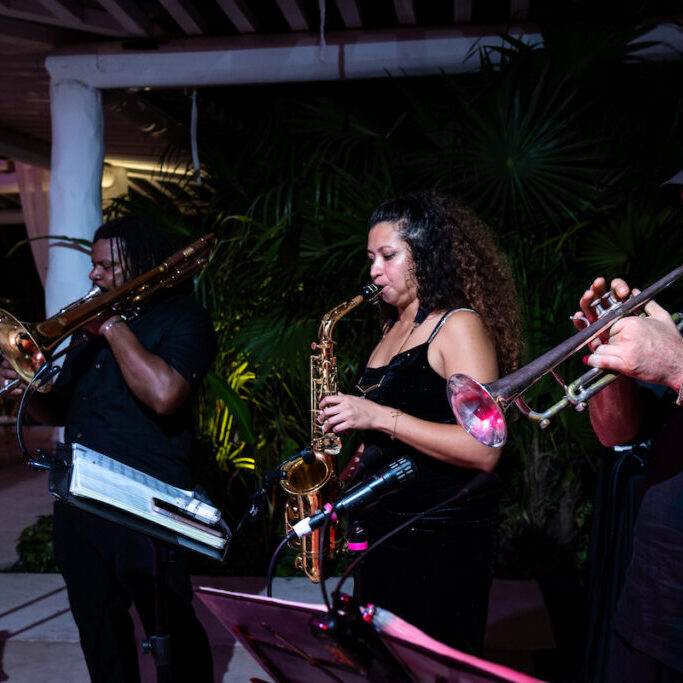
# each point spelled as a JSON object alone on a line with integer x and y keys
{"x": 185, "y": 14}
{"x": 350, "y": 13}
{"x": 294, "y": 15}
{"x": 239, "y": 14}
{"x": 462, "y": 11}
{"x": 405, "y": 12}
{"x": 270, "y": 59}
{"x": 93, "y": 20}
{"x": 129, "y": 15}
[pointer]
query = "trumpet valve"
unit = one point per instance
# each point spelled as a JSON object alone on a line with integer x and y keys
{"x": 604, "y": 303}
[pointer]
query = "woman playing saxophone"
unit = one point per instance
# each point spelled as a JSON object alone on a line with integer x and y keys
{"x": 451, "y": 308}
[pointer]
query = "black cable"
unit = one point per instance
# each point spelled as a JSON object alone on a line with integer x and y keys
{"x": 321, "y": 556}
{"x": 26, "y": 396}
{"x": 271, "y": 567}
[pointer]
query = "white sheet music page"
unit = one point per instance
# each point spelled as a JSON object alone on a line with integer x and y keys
{"x": 109, "y": 481}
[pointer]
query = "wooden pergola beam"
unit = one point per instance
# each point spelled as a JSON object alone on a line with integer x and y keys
{"x": 294, "y": 15}
{"x": 462, "y": 11}
{"x": 405, "y": 12}
{"x": 185, "y": 14}
{"x": 350, "y": 13}
{"x": 61, "y": 15}
{"x": 129, "y": 15}
{"x": 239, "y": 14}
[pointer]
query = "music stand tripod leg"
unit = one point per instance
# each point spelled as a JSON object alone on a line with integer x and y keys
{"x": 159, "y": 644}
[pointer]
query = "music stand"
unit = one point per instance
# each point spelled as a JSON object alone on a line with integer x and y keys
{"x": 278, "y": 636}
{"x": 163, "y": 540}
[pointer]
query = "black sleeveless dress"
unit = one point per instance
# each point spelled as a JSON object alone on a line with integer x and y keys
{"x": 437, "y": 573}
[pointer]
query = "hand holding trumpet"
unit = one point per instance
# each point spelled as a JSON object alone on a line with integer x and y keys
{"x": 646, "y": 348}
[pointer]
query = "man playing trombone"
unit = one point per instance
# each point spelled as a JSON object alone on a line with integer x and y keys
{"x": 647, "y": 645}
{"x": 126, "y": 394}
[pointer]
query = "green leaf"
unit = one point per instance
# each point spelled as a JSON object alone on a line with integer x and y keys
{"x": 237, "y": 406}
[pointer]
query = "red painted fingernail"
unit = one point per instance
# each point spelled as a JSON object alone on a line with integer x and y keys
{"x": 585, "y": 359}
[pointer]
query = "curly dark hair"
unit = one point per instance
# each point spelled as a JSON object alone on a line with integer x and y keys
{"x": 457, "y": 263}
{"x": 142, "y": 246}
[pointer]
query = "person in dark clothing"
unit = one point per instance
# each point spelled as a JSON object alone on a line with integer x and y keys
{"x": 647, "y": 643}
{"x": 126, "y": 393}
{"x": 452, "y": 309}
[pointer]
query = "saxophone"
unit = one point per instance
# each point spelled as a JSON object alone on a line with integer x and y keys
{"x": 313, "y": 484}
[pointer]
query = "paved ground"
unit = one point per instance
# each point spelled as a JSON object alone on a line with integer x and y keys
{"x": 39, "y": 642}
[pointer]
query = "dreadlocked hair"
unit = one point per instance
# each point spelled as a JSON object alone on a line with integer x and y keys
{"x": 141, "y": 245}
{"x": 457, "y": 263}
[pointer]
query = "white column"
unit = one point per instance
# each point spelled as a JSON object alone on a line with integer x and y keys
{"x": 75, "y": 187}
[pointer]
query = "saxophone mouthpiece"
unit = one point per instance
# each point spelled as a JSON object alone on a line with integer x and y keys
{"x": 371, "y": 291}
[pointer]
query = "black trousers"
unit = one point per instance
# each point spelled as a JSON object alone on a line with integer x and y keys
{"x": 106, "y": 568}
{"x": 435, "y": 575}
{"x": 628, "y": 665}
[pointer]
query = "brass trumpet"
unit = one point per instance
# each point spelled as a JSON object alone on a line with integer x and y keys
{"x": 480, "y": 408}
{"x": 29, "y": 347}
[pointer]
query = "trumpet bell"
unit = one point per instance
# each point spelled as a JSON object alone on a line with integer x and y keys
{"x": 477, "y": 410}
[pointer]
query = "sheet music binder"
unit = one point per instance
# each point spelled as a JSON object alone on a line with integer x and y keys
{"x": 106, "y": 487}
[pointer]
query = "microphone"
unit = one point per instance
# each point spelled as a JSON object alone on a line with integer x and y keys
{"x": 389, "y": 479}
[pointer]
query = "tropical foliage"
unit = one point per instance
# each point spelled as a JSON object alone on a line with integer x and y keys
{"x": 561, "y": 146}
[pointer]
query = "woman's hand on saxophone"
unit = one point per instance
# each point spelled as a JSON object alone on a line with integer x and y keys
{"x": 341, "y": 412}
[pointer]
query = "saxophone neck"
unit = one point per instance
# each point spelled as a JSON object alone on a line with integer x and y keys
{"x": 331, "y": 318}
{"x": 370, "y": 293}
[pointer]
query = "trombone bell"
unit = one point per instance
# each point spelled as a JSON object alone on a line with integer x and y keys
{"x": 19, "y": 347}
{"x": 477, "y": 410}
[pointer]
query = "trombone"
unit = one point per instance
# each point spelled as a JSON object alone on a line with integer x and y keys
{"x": 30, "y": 348}
{"x": 480, "y": 408}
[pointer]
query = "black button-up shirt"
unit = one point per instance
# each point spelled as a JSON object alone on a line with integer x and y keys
{"x": 103, "y": 413}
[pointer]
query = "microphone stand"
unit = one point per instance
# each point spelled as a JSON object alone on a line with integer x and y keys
{"x": 256, "y": 501}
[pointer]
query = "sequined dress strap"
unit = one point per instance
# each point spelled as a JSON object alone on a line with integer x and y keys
{"x": 444, "y": 318}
